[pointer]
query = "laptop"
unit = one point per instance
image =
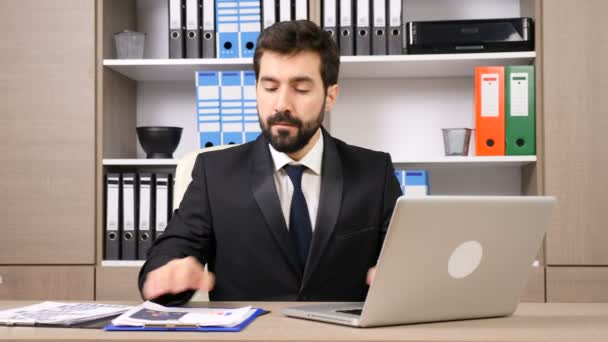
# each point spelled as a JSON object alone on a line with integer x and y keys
{"x": 447, "y": 258}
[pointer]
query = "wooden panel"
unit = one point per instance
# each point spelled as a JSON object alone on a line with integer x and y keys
{"x": 116, "y": 283}
{"x": 46, "y": 282}
{"x": 577, "y": 284}
{"x": 47, "y": 131}
{"x": 116, "y": 98}
{"x": 535, "y": 290}
{"x": 575, "y": 47}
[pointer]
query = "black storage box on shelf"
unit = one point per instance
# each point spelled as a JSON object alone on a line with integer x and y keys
{"x": 470, "y": 36}
{"x": 159, "y": 141}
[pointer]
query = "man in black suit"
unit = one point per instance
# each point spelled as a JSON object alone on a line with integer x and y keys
{"x": 293, "y": 215}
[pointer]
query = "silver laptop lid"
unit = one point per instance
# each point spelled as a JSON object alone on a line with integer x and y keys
{"x": 455, "y": 257}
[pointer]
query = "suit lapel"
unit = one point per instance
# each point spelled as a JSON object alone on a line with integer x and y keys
{"x": 265, "y": 194}
{"x": 330, "y": 201}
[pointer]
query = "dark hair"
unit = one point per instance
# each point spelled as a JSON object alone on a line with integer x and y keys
{"x": 292, "y": 37}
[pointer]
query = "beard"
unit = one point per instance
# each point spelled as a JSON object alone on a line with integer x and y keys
{"x": 281, "y": 140}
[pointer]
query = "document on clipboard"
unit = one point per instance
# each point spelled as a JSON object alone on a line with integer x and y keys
{"x": 150, "y": 316}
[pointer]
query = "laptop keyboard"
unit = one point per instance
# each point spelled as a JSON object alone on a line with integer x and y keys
{"x": 356, "y": 312}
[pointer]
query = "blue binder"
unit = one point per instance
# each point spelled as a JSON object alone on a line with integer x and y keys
{"x": 250, "y": 25}
{"x": 227, "y": 26}
{"x": 231, "y": 107}
{"x": 208, "y": 108}
{"x": 237, "y": 328}
{"x": 250, "y": 111}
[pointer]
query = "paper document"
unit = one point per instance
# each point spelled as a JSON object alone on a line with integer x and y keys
{"x": 59, "y": 313}
{"x": 150, "y": 314}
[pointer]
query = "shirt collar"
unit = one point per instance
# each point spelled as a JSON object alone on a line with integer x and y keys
{"x": 311, "y": 160}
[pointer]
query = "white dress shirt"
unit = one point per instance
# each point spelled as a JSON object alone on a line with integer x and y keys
{"x": 311, "y": 179}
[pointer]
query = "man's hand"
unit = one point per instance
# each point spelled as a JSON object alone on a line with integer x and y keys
{"x": 371, "y": 273}
{"x": 178, "y": 276}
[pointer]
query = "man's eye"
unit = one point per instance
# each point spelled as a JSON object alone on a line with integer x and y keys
{"x": 302, "y": 91}
{"x": 270, "y": 89}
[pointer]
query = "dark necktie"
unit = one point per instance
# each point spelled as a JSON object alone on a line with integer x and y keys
{"x": 300, "y": 228}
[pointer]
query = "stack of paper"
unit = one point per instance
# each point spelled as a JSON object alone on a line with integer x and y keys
{"x": 57, "y": 313}
{"x": 150, "y": 314}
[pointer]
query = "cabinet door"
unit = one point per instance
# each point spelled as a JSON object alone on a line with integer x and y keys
{"x": 46, "y": 282}
{"x": 575, "y": 55}
{"x": 47, "y": 131}
{"x": 116, "y": 283}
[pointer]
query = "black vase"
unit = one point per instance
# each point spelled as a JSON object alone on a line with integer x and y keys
{"x": 159, "y": 141}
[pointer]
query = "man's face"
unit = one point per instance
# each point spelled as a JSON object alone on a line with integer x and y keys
{"x": 291, "y": 99}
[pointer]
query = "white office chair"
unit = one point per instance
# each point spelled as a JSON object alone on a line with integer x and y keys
{"x": 183, "y": 177}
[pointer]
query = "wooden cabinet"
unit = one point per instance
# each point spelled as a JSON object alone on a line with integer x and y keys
{"x": 47, "y": 145}
{"x": 47, "y": 132}
{"x": 575, "y": 87}
{"x": 47, "y": 282}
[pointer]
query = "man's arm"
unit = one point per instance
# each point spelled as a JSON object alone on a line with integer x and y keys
{"x": 392, "y": 191}
{"x": 188, "y": 234}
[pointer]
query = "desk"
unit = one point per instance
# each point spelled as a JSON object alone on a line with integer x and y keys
{"x": 531, "y": 322}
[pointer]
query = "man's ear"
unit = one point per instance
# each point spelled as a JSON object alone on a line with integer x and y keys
{"x": 331, "y": 97}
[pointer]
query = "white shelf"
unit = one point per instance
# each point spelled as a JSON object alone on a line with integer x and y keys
{"x": 140, "y": 162}
{"x": 401, "y": 66}
{"x": 122, "y": 263}
{"x": 471, "y": 161}
{"x": 447, "y": 161}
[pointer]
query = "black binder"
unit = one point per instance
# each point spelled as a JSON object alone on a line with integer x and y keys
{"x": 129, "y": 214}
{"x": 144, "y": 219}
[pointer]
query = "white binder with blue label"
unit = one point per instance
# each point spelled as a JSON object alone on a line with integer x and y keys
{"x": 208, "y": 108}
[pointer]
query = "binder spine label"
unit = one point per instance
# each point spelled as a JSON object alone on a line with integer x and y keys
{"x": 489, "y": 95}
{"x": 519, "y": 94}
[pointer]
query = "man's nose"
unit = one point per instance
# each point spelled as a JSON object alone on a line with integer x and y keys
{"x": 283, "y": 102}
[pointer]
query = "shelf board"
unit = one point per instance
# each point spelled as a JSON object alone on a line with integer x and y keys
{"x": 440, "y": 161}
{"x": 396, "y": 66}
{"x": 122, "y": 263}
{"x": 140, "y": 162}
{"x": 469, "y": 161}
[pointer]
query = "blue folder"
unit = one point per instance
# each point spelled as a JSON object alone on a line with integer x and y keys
{"x": 237, "y": 328}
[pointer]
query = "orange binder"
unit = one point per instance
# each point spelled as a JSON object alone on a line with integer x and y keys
{"x": 490, "y": 111}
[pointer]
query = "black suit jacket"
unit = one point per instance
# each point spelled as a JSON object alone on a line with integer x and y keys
{"x": 230, "y": 218}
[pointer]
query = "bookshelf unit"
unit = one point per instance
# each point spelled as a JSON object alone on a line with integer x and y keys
{"x": 397, "y": 104}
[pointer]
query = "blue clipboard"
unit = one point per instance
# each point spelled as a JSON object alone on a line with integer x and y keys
{"x": 236, "y": 328}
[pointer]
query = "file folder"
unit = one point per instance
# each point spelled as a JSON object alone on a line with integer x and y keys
{"x": 193, "y": 35}
{"x": 301, "y": 10}
{"x": 269, "y": 14}
{"x": 415, "y": 183}
{"x": 379, "y": 27}
{"x": 249, "y": 26}
{"x": 347, "y": 38}
{"x": 112, "y": 233}
{"x": 128, "y": 234}
{"x": 520, "y": 110}
{"x": 363, "y": 39}
{"x": 176, "y": 29}
{"x": 400, "y": 174}
{"x": 208, "y": 108}
{"x": 285, "y": 10}
{"x": 395, "y": 29}
{"x": 208, "y": 41}
{"x": 490, "y": 111}
{"x": 235, "y": 328}
{"x": 144, "y": 233}
{"x": 162, "y": 203}
{"x": 231, "y": 107}
{"x": 250, "y": 112}
{"x": 329, "y": 12}
{"x": 227, "y": 23}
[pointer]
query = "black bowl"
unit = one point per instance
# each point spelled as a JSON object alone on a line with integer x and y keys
{"x": 159, "y": 141}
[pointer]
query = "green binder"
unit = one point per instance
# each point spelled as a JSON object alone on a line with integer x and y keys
{"x": 520, "y": 111}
